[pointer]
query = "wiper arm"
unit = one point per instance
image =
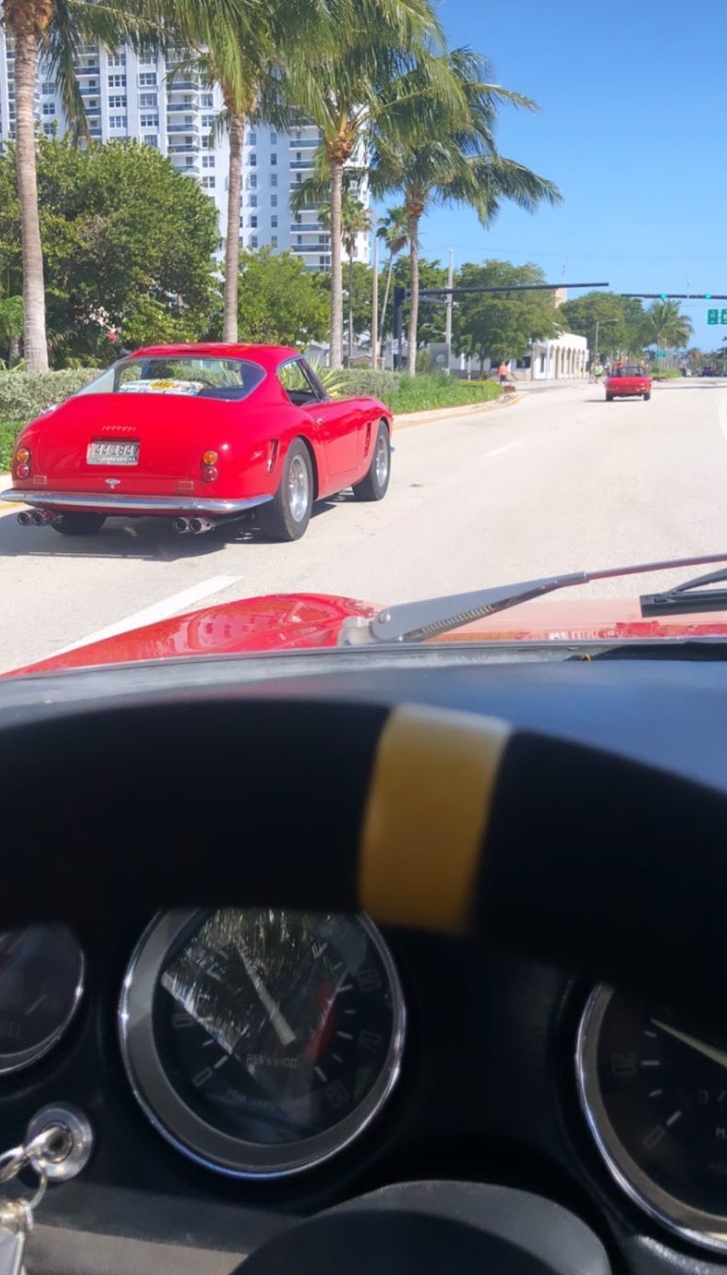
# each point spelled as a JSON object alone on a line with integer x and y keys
{"x": 685, "y": 598}
{"x": 416, "y": 621}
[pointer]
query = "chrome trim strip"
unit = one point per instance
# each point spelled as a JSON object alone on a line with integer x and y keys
{"x": 707, "y": 1230}
{"x": 132, "y": 504}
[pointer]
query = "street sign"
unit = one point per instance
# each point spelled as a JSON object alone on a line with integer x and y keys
{"x": 723, "y": 317}
{"x": 661, "y": 354}
{"x": 713, "y": 316}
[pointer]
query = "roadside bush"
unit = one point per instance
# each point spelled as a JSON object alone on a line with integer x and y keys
{"x": 364, "y": 381}
{"x": 9, "y": 431}
{"x": 419, "y": 393}
{"x": 24, "y": 395}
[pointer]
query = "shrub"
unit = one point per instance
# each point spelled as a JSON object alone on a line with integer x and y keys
{"x": 365, "y": 381}
{"x": 24, "y": 395}
{"x": 9, "y": 431}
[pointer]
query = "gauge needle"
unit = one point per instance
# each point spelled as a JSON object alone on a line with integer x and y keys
{"x": 280, "y": 1024}
{"x": 716, "y": 1055}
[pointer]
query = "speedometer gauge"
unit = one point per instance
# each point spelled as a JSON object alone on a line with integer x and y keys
{"x": 261, "y": 1042}
{"x": 654, "y": 1091}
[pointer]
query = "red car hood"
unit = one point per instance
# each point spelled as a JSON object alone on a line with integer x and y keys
{"x": 298, "y": 621}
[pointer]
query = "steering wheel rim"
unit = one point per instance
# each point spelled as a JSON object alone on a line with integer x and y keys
{"x": 418, "y": 816}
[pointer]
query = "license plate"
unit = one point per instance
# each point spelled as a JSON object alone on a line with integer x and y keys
{"x": 113, "y": 454}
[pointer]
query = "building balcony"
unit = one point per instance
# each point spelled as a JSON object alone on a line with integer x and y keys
{"x": 183, "y": 128}
{"x": 308, "y": 228}
{"x": 190, "y": 148}
{"x": 180, "y": 107}
{"x": 304, "y": 143}
{"x": 297, "y": 164}
{"x": 182, "y": 86}
{"x": 89, "y": 69}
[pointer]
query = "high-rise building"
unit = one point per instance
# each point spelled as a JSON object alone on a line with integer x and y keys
{"x": 137, "y": 96}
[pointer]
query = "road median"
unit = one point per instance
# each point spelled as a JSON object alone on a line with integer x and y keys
{"x": 407, "y": 419}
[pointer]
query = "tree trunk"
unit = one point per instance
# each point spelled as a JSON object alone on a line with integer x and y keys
{"x": 336, "y": 354}
{"x": 26, "y": 65}
{"x": 232, "y": 244}
{"x": 14, "y": 351}
{"x": 386, "y": 298}
{"x": 350, "y": 306}
{"x": 411, "y": 353}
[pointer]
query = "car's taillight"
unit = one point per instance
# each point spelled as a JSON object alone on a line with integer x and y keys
{"x": 209, "y": 466}
{"x": 22, "y": 462}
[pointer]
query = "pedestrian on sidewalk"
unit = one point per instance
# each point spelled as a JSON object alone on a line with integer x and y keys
{"x": 503, "y": 372}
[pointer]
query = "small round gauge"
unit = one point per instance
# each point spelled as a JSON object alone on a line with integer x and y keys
{"x": 261, "y": 1042}
{"x": 654, "y": 1091}
{"x": 41, "y": 985}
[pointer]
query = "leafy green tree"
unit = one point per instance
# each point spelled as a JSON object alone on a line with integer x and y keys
{"x": 620, "y": 322}
{"x": 58, "y": 27}
{"x": 279, "y": 301}
{"x": 129, "y": 244}
{"x": 502, "y": 326}
{"x": 442, "y": 151}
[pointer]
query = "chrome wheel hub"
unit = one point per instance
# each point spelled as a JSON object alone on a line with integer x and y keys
{"x": 298, "y": 489}
{"x": 381, "y": 460}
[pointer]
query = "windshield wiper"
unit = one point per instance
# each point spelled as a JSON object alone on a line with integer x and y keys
{"x": 416, "y": 621}
{"x": 684, "y": 598}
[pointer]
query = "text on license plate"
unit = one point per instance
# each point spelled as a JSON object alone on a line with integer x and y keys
{"x": 113, "y": 454}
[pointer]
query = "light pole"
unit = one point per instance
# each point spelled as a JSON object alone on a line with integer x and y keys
{"x": 599, "y": 324}
{"x": 375, "y": 299}
{"x": 448, "y": 320}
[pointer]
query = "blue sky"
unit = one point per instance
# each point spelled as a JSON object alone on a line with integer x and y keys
{"x": 633, "y": 130}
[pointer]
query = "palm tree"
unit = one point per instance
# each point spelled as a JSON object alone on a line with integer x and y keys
{"x": 395, "y": 235}
{"x": 665, "y": 326}
{"x": 344, "y": 94}
{"x": 447, "y": 155}
{"x": 58, "y": 26}
{"x": 11, "y": 326}
{"x": 355, "y": 220}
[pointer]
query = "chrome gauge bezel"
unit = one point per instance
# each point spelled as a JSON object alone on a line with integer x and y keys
{"x": 181, "y": 1126}
{"x": 22, "y": 1059}
{"x": 707, "y": 1230}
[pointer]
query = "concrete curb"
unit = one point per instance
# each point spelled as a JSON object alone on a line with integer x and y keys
{"x": 409, "y": 419}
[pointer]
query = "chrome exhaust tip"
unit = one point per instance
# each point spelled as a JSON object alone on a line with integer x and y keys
{"x": 25, "y": 518}
{"x": 39, "y": 518}
{"x": 181, "y": 526}
{"x": 199, "y": 525}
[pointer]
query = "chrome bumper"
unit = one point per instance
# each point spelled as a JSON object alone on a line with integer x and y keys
{"x": 120, "y": 505}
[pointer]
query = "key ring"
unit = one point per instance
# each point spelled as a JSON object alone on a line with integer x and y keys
{"x": 12, "y": 1163}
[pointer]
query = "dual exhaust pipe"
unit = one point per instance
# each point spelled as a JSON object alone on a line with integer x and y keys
{"x": 193, "y": 526}
{"x": 36, "y": 517}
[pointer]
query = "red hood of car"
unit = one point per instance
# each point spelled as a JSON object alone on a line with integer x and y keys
{"x": 298, "y": 621}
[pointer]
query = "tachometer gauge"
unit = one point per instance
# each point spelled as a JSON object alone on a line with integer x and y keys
{"x": 654, "y": 1092}
{"x": 261, "y": 1042}
{"x": 41, "y": 984}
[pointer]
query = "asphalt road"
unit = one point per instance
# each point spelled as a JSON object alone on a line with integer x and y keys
{"x": 560, "y": 481}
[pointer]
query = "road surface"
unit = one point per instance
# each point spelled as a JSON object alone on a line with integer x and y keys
{"x": 560, "y": 481}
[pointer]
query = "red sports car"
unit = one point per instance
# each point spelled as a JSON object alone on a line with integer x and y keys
{"x": 200, "y": 434}
{"x": 628, "y": 382}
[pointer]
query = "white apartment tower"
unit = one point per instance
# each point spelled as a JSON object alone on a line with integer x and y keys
{"x": 130, "y": 95}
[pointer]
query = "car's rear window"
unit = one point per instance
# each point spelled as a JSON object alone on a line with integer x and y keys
{"x": 628, "y": 371}
{"x": 192, "y": 376}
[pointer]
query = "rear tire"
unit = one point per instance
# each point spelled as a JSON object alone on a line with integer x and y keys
{"x": 286, "y": 517}
{"x": 79, "y": 524}
{"x": 609, "y": 398}
{"x": 647, "y": 397}
{"x": 376, "y": 483}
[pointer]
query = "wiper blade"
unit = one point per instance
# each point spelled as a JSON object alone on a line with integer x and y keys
{"x": 685, "y": 598}
{"x": 416, "y": 621}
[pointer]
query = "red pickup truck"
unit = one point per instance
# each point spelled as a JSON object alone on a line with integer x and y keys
{"x": 628, "y": 381}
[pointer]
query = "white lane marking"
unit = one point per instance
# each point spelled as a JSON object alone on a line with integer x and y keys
{"x": 499, "y": 451}
{"x": 159, "y": 611}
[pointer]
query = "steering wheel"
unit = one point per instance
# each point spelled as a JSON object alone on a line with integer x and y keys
{"x": 420, "y": 817}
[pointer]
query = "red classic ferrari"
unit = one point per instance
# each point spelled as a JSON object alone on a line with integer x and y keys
{"x": 200, "y": 434}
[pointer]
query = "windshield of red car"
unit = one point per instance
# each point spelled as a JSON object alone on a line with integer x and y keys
{"x": 198, "y": 376}
{"x": 628, "y": 371}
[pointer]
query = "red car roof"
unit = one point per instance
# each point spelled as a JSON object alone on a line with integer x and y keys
{"x": 268, "y": 356}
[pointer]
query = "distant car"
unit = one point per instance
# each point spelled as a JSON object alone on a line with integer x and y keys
{"x": 709, "y": 371}
{"x": 628, "y": 381}
{"x": 200, "y": 434}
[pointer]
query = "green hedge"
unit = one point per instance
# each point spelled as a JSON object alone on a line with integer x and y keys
{"x": 9, "y": 431}
{"x": 419, "y": 393}
{"x": 24, "y": 395}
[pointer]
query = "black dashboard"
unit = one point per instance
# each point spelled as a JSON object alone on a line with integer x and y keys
{"x": 483, "y": 1064}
